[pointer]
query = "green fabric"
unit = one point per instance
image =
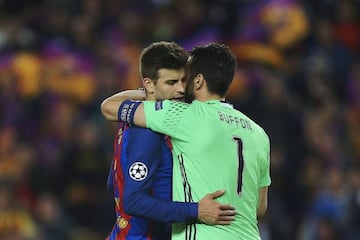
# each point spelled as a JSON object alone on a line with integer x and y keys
{"x": 210, "y": 140}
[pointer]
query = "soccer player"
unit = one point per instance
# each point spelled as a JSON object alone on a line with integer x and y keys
{"x": 214, "y": 145}
{"x": 141, "y": 171}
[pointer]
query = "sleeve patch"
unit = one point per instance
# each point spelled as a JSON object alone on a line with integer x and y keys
{"x": 138, "y": 171}
{"x": 158, "y": 105}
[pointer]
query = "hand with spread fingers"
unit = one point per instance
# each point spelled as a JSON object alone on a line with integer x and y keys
{"x": 212, "y": 212}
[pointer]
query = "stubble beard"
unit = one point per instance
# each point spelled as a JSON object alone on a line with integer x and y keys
{"x": 189, "y": 93}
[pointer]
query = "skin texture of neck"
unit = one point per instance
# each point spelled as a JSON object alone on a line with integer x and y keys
{"x": 203, "y": 95}
{"x": 150, "y": 98}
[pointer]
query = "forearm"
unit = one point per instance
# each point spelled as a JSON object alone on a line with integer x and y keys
{"x": 143, "y": 205}
{"x": 262, "y": 207}
{"x": 110, "y": 106}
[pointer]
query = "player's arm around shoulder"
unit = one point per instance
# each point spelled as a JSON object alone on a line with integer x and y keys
{"x": 119, "y": 104}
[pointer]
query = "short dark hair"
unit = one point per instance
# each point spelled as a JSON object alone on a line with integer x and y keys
{"x": 159, "y": 55}
{"x": 216, "y": 63}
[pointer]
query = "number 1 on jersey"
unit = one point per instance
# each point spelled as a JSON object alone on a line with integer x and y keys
{"x": 241, "y": 162}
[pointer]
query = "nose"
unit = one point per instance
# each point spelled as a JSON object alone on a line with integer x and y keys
{"x": 180, "y": 86}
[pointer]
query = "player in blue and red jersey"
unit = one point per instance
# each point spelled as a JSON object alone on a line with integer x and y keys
{"x": 233, "y": 151}
{"x": 141, "y": 171}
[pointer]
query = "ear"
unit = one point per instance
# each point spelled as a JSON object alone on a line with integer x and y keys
{"x": 199, "y": 81}
{"x": 148, "y": 85}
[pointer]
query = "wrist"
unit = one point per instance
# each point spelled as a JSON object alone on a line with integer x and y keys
{"x": 141, "y": 94}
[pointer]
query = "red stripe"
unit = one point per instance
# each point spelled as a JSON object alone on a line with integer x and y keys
{"x": 168, "y": 142}
{"x": 119, "y": 182}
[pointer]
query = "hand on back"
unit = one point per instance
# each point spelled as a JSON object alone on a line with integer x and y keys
{"x": 211, "y": 212}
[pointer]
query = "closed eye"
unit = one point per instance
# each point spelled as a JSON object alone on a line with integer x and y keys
{"x": 172, "y": 82}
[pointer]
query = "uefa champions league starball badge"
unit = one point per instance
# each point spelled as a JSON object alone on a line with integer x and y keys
{"x": 138, "y": 171}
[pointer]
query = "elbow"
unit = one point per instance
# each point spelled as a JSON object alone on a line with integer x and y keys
{"x": 261, "y": 210}
{"x": 129, "y": 205}
{"x": 263, "y": 202}
{"x": 129, "y": 208}
{"x": 261, "y": 214}
{"x": 108, "y": 111}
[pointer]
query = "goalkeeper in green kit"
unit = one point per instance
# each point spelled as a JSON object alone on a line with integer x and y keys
{"x": 214, "y": 145}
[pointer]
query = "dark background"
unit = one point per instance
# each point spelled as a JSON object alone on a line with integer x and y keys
{"x": 298, "y": 77}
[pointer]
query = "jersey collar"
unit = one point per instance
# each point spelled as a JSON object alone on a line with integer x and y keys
{"x": 220, "y": 102}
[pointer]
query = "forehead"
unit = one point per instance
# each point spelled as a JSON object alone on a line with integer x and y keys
{"x": 170, "y": 74}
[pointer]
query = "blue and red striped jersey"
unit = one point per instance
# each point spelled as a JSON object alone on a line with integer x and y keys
{"x": 140, "y": 177}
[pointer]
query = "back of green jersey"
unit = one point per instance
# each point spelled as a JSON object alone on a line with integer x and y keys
{"x": 215, "y": 147}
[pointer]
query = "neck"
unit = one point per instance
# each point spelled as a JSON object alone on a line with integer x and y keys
{"x": 203, "y": 97}
{"x": 150, "y": 97}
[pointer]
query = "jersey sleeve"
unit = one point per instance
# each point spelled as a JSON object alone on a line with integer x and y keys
{"x": 163, "y": 116}
{"x": 144, "y": 157}
{"x": 265, "y": 179}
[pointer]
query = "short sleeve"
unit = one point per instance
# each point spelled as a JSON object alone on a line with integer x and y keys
{"x": 164, "y": 116}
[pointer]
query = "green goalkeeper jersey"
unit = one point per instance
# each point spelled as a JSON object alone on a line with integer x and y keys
{"x": 214, "y": 147}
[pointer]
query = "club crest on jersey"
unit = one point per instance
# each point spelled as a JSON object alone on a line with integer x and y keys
{"x": 158, "y": 105}
{"x": 138, "y": 171}
{"x": 122, "y": 222}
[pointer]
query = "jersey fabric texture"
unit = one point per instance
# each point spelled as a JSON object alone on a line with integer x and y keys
{"x": 140, "y": 177}
{"x": 214, "y": 147}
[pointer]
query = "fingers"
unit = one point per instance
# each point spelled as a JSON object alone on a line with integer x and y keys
{"x": 229, "y": 213}
{"x": 211, "y": 212}
{"x": 217, "y": 194}
{"x": 226, "y": 216}
{"x": 226, "y": 207}
{"x": 225, "y": 220}
{"x": 222, "y": 223}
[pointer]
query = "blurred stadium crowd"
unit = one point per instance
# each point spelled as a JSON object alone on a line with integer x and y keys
{"x": 298, "y": 76}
